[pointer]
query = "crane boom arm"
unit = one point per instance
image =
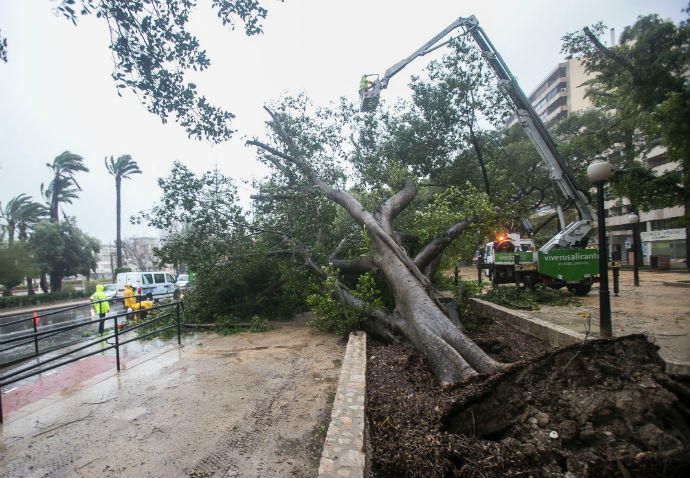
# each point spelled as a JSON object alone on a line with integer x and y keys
{"x": 572, "y": 235}
{"x": 530, "y": 120}
{"x": 425, "y": 49}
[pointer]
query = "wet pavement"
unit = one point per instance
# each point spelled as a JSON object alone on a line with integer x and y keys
{"x": 37, "y": 387}
{"x": 658, "y": 307}
{"x": 91, "y": 353}
{"x": 48, "y": 320}
{"x": 240, "y": 405}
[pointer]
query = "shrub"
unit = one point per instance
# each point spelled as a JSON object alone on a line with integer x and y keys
{"x": 258, "y": 324}
{"x": 466, "y": 290}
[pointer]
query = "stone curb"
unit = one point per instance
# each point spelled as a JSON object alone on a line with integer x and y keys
{"x": 344, "y": 453}
{"x": 551, "y": 333}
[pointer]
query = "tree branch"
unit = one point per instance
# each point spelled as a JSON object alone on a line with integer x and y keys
{"x": 478, "y": 150}
{"x": 439, "y": 243}
{"x": 609, "y": 53}
{"x": 394, "y": 205}
{"x": 344, "y": 294}
{"x": 358, "y": 265}
{"x": 342, "y": 198}
{"x": 302, "y": 252}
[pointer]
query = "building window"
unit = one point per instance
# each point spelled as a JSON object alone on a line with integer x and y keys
{"x": 661, "y": 224}
{"x": 614, "y": 211}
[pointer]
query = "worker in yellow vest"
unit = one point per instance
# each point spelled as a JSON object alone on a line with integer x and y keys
{"x": 131, "y": 304}
{"x": 364, "y": 84}
{"x": 129, "y": 299}
{"x": 100, "y": 306}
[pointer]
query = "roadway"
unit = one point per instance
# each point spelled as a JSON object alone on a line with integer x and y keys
{"x": 50, "y": 319}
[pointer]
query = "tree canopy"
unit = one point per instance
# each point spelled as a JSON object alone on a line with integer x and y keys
{"x": 62, "y": 249}
{"x": 643, "y": 84}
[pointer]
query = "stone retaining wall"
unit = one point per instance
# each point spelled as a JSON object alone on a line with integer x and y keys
{"x": 551, "y": 333}
{"x": 344, "y": 453}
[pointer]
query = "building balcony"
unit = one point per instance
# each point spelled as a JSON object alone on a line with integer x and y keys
{"x": 540, "y": 108}
{"x": 557, "y": 111}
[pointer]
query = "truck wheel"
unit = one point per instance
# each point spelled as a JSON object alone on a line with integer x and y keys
{"x": 580, "y": 289}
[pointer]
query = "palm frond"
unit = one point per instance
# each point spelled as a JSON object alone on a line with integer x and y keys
{"x": 123, "y": 167}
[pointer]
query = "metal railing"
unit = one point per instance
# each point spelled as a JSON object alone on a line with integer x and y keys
{"x": 36, "y": 318}
{"x": 54, "y": 361}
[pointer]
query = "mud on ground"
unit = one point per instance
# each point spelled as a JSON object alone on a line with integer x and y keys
{"x": 241, "y": 405}
{"x": 603, "y": 409}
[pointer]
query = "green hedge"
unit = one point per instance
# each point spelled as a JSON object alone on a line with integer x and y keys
{"x": 40, "y": 299}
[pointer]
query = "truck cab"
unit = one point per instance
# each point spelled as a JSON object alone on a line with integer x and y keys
{"x": 509, "y": 244}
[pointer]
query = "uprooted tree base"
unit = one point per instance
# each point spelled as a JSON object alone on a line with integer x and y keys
{"x": 600, "y": 409}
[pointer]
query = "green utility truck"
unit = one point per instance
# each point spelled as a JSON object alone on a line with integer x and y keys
{"x": 515, "y": 260}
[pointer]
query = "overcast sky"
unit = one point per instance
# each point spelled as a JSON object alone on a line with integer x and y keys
{"x": 56, "y": 93}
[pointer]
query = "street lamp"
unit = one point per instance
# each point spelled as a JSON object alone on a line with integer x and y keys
{"x": 634, "y": 219}
{"x": 598, "y": 173}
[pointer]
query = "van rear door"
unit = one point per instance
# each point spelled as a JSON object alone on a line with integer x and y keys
{"x": 159, "y": 278}
{"x": 147, "y": 284}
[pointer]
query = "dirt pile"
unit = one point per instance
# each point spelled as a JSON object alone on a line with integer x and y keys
{"x": 600, "y": 409}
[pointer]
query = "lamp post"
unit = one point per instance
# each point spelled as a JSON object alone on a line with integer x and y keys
{"x": 598, "y": 173}
{"x": 634, "y": 219}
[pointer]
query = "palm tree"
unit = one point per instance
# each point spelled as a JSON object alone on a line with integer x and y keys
{"x": 11, "y": 213}
{"x": 21, "y": 213}
{"x": 30, "y": 214}
{"x": 63, "y": 188}
{"x": 122, "y": 168}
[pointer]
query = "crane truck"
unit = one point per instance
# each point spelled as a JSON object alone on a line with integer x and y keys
{"x": 564, "y": 260}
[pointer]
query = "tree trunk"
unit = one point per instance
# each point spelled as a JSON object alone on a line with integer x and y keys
{"x": 55, "y": 283}
{"x": 55, "y": 207}
{"x": 10, "y": 233}
{"x": 480, "y": 157}
{"x": 30, "y": 286}
{"x": 452, "y": 356}
{"x": 118, "y": 241}
{"x": 43, "y": 283}
{"x": 686, "y": 218}
{"x": 686, "y": 205}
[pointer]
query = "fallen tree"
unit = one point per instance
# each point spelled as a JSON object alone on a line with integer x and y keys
{"x": 418, "y": 314}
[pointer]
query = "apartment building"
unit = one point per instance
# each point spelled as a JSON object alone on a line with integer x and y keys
{"x": 560, "y": 93}
{"x": 662, "y": 232}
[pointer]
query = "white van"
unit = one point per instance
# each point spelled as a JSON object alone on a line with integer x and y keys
{"x": 152, "y": 285}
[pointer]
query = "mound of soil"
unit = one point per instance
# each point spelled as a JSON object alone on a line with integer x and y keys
{"x": 604, "y": 408}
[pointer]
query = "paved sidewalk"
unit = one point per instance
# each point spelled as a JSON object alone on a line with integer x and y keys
{"x": 655, "y": 308}
{"x": 241, "y": 405}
